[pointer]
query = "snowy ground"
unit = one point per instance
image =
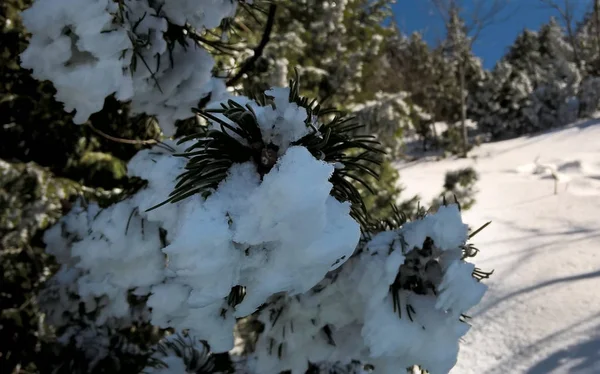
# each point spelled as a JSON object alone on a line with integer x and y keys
{"x": 541, "y": 314}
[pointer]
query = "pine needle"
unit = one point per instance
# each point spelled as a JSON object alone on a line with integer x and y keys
{"x": 479, "y": 229}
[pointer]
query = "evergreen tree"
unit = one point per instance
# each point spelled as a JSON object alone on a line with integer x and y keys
{"x": 467, "y": 70}
{"x": 535, "y": 86}
{"x": 500, "y": 105}
{"x": 554, "y": 100}
{"x": 255, "y": 214}
{"x": 587, "y": 39}
{"x": 459, "y": 186}
{"x": 334, "y": 45}
{"x": 589, "y": 96}
{"x": 524, "y": 55}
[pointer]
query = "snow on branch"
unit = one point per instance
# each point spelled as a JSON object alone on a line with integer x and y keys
{"x": 133, "y": 49}
{"x": 268, "y": 239}
{"x": 396, "y": 304}
{"x": 257, "y": 215}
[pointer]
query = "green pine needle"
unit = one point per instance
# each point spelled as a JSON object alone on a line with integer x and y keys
{"x": 479, "y": 229}
{"x": 214, "y": 151}
{"x": 197, "y": 361}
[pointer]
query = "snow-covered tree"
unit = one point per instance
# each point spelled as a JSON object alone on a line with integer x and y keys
{"x": 334, "y": 45}
{"x": 554, "y": 100}
{"x": 524, "y": 55}
{"x": 588, "y": 41}
{"x": 499, "y": 106}
{"x": 535, "y": 86}
{"x": 391, "y": 117}
{"x": 457, "y": 48}
{"x": 252, "y": 216}
{"x": 589, "y": 96}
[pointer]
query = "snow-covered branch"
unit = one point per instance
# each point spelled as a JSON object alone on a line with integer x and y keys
{"x": 256, "y": 215}
{"x": 276, "y": 244}
{"x": 91, "y": 49}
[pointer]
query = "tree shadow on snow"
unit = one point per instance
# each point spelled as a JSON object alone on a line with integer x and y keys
{"x": 540, "y": 230}
{"x": 582, "y": 358}
{"x": 557, "y": 241}
{"x": 536, "y": 287}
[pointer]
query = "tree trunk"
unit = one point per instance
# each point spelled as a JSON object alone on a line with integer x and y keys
{"x": 463, "y": 111}
{"x": 597, "y": 26}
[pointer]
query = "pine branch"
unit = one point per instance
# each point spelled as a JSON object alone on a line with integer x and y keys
{"x": 258, "y": 51}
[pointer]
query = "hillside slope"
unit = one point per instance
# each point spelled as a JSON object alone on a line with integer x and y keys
{"x": 542, "y": 312}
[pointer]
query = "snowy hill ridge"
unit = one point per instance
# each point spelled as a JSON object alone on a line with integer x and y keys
{"x": 541, "y": 314}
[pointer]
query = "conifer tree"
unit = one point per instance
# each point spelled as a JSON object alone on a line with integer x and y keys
{"x": 554, "y": 101}
{"x": 500, "y": 105}
{"x": 254, "y": 217}
{"x": 457, "y": 47}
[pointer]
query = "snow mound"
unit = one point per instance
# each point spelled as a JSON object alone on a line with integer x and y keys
{"x": 580, "y": 177}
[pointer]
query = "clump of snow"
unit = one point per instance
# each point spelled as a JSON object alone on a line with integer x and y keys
{"x": 281, "y": 234}
{"x": 350, "y": 314}
{"x": 285, "y": 123}
{"x": 281, "y": 123}
{"x": 76, "y": 45}
{"x": 252, "y": 233}
{"x": 291, "y": 245}
{"x": 200, "y": 14}
{"x": 91, "y": 49}
{"x": 576, "y": 175}
{"x": 459, "y": 291}
{"x": 115, "y": 251}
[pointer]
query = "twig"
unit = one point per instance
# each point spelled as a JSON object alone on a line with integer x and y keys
{"x": 259, "y": 48}
{"x": 121, "y": 140}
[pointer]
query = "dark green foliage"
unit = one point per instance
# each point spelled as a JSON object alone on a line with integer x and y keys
{"x": 31, "y": 199}
{"x": 196, "y": 355}
{"x": 336, "y": 54}
{"x": 34, "y": 126}
{"x": 420, "y": 273}
{"x": 35, "y": 130}
{"x": 236, "y": 296}
{"x": 451, "y": 140}
{"x": 386, "y": 212}
{"x": 127, "y": 353}
{"x": 459, "y": 186}
{"x": 460, "y": 178}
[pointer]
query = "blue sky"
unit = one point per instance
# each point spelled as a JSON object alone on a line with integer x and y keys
{"x": 421, "y": 15}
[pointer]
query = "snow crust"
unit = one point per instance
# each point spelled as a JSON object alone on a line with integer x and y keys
{"x": 355, "y": 306}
